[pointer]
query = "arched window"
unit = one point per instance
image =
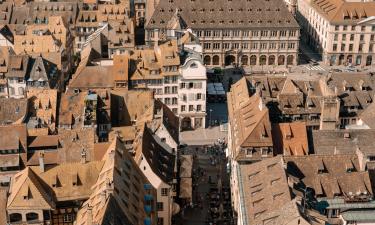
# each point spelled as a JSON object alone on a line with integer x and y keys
{"x": 193, "y": 65}
{"x": 245, "y": 60}
{"x": 289, "y": 60}
{"x": 253, "y": 60}
{"x": 358, "y": 60}
{"x": 15, "y": 217}
{"x": 271, "y": 60}
{"x": 262, "y": 60}
{"x": 215, "y": 60}
{"x": 207, "y": 60}
{"x": 32, "y": 216}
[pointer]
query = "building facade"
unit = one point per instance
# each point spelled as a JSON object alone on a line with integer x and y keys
{"x": 246, "y": 33}
{"x": 343, "y": 32}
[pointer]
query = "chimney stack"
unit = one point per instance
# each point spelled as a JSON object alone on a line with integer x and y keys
{"x": 41, "y": 161}
{"x": 83, "y": 156}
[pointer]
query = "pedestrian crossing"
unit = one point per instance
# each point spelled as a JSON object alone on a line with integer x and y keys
{"x": 316, "y": 68}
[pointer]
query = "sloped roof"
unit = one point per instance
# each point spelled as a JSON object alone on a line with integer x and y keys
{"x": 38, "y": 71}
{"x": 27, "y": 192}
{"x": 290, "y": 138}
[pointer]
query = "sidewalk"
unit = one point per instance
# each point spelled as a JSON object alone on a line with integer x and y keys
{"x": 202, "y": 136}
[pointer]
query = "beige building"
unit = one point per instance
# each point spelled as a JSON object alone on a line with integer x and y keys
{"x": 246, "y": 33}
{"x": 342, "y": 31}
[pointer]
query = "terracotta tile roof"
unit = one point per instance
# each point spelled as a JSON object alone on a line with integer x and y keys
{"x": 290, "y": 138}
{"x": 70, "y": 181}
{"x": 330, "y": 175}
{"x": 368, "y": 116}
{"x": 27, "y": 192}
{"x": 110, "y": 199}
{"x": 43, "y": 10}
{"x": 13, "y": 110}
{"x": 250, "y": 124}
{"x": 13, "y": 137}
{"x": 43, "y": 141}
{"x": 93, "y": 77}
{"x": 121, "y": 34}
{"x": 265, "y": 188}
{"x": 43, "y": 105}
{"x": 18, "y": 66}
{"x": 218, "y": 14}
{"x": 71, "y": 109}
{"x": 3, "y": 204}
{"x": 343, "y": 141}
{"x": 4, "y": 59}
{"x": 344, "y": 12}
{"x": 20, "y": 15}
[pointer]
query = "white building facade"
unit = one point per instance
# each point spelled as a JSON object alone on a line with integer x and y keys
{"x": 192, "y": 93}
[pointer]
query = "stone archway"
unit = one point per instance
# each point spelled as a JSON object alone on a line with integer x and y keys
{"x": 341, "y": 59}
{"x": 253, "y": 60}
{"x": 289, "y": 60}
{"x": 271, "y": 60}
{"x": 230, "y": 60}
{"x": 207, "y": 60}
{"x": 281, "y": 60}
{"x": 215, "y": 60}
{"x": 262, "y": 60}
{"x": 244, "y": 60}
{"x": 368, "y": 60}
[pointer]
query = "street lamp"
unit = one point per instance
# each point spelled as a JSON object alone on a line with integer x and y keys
{"x": 210, "y": 117}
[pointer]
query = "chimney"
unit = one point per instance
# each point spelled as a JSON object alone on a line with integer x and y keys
{"x": 89, "y": 215}
{"x": 83, "y": 156}
{"x": 41, "y": 161}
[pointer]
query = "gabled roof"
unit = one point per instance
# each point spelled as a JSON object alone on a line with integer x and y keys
{"x": 38, "y": 71}
{"x": 27, "y": 192}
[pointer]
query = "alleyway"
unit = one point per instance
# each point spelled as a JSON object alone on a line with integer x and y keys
{"x": 211, "y": 194}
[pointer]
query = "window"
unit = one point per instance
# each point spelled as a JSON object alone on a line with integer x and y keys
{"x": 236, "y": 33}
{"x": 336, "y": 37}
{"x": 68, "y": 218}
{"x": 167, "y": 101}
{"x": 350, "y": 47}
{"x": 291, "y": 45}
{"x": 263, "y": 45}
{"x": 216, "y": 33}
{"x": 345, "y": 27}
{"x": 334, "y": 47}
{"x": 342, "y": 47}
{"x": 199, "y": 96}
{"x": 283, "y": 33}
{"x": 373, "y": 28}
{"x": 372, "y": 38}
{"x": 191, "y": 108}
{"x": 282, "y": 45}
{"x": 273, "y": 33}
{"x": 164, "y": 191}
{"x": 352, "y": 37}
{"x": 254, "y": 45}
{"x": 370, "y": 47}
{"x": 174, "y": 101}
{"x": 337, "y": 27}
{"x": 183, "y": 108}
{"x": 362, "y": 37}
{"x": 199, "y": 33}
{"x": 20, "y": 80}
{"x": 216, "y": 46}
{"x": 226, "y": 45}
{"x": 353, "y": 28}
{"x": 199, "y": 108}
{"x": 363, "y": 28}
{"x": 226, "y": 33}
{"x": 20, "y": 90}
{"x": 254, "y": 33}
{"x": 272, "y": 45}
{"x": 360, "y": 47}
{"x": 207, "y": 45}
{"x": 344, "y": 37}
{"x": 159, "y": 206}
{"x": 245, "y": 33}
{"x": 167, "y": 90}
{"x": 174, "y": 90}
{"x": 249, "y": 152}
{"x": 174, "y": 78}
{"x": 264, "y": 151}
{"x": 207, "y": 33}
{"x": 292, "y": 33}
{"x": 235, "y": 46}
{"x": 264, "y": 33}
{"x": 245, "y": 45}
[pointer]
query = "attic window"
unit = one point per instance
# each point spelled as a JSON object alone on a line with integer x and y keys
{"x": 259, "y": 21}
{"x": 268, "y": 9}
{"x": 221, "y": 21}
{"x": 231, "y": 21}
{"x": 212, "y": 10}
{"x": 240, "y": 9}
{"x": 278, "y": 9}
{"x": 346, "y": 135}
{"x": 221, "y": 9}
{"x": 193, "y": 10}
{"x": 161, "y": 10}
{"x": 230, "y": 10}
{"x": 193, "y": 21}
{"x": 203, "y": 21}
{"x": 269, "y": 21}
{"x": 259, "y": 10}
{"x": 249, "y": 10}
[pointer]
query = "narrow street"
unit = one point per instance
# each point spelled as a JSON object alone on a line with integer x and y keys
{"x": 211, "y": 193}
